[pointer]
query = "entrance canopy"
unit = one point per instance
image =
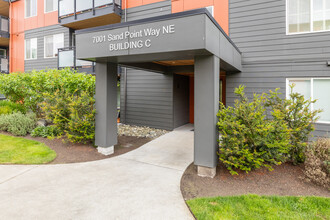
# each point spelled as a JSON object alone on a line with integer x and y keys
{"x": 184, "y": 42}
{"x": 146, "y": 43}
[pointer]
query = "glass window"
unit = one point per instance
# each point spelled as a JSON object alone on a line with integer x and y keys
{"x": 316, "y": 89}
{"x": 321, "y": 92}
{"x": 31, "y": 48}
{"x": 30, "y": 8}
{"x": 51, "y": 5}
{"x": 308, "y": 15}
{"x": 52, "y": 44}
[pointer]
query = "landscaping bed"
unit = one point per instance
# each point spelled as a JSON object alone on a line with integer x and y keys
{"x": 284, "y": 180}
{"x": 75, "y": 153}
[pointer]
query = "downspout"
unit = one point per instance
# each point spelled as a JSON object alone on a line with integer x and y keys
{"x": 125, "y": 19}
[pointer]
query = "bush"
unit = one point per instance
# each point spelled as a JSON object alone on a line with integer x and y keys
{"x": 297, "y": 114}
{"x": 49, "y": 131}
{"x": 74, "y": 114}
{"x": 54, "y": 95}
{"x": 30, "y": 88}
{"x": 317, "y": 164}
{"x": 249, "y": 140}
{"x": 18, "y": 123}
{"x": 8, "y": 107}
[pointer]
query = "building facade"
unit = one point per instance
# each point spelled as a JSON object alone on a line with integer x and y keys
{"x": 263, "y": 45}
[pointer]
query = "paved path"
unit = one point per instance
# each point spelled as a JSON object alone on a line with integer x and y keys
{"x": 142, "y": 184}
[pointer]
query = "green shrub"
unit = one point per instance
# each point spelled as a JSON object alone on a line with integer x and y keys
{"x": 248, "y": 139}
{"x": 49, "y": 131}
{"x": 55, "y": 95}
{"x": 317, "y": 164}
{"x": 18, "y": 123}
{"x": 30, "y": 88}
{"x": 296, "y": 112}
{"x": 73, "y": 114}
{"x": 8, "y": 107}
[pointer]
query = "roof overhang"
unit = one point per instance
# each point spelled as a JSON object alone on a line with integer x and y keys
{"x": 180, "y": 36}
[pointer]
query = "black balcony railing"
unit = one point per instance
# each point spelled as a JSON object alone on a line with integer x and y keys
{"x": 4, "y": 26}
{"x": 67, "y": 58}
{"x": 4, "y": 64}
{"x": 68, "y": 8}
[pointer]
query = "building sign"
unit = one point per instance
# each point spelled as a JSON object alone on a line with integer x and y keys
{"x": 136, "y": 39}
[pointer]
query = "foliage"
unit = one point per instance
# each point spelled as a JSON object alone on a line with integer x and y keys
{"x": 73, "y": 114}
{"x": 296, "y": 112}
{"x": 249, "y": 140}
{"x": 8, "y": 107}
{"x": 49, "y": 131}
{"x": 16, "y": 150}
{"x": 64, "y": 97}
{"x": 18, "y": 123}
{"x": 29, "y": 88}
{"x": 260, "y": 207}
{"x": 317, "y": 164}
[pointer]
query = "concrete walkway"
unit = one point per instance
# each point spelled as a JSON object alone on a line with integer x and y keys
{"x": 142, "y": 184}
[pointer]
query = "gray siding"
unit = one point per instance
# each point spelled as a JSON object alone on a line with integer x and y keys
{"x": 40, "y": 33}
{"x": 148, "y": 11}
{"x": 148, "y": 100}
{"x": 269, "y": 56}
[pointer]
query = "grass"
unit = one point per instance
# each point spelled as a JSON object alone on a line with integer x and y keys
{"x": 260, "y": 207}
{"x": 14, "y": 150}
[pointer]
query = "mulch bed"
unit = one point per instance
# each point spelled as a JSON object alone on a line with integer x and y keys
{"x": 284, "y": 180}
{"x": 75, "y": 153}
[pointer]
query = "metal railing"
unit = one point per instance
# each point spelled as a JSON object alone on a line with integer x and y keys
{"x": 4, "y": 64}
{"x": 67, "y": 58}
{"x": 4, "y": 24}
{"x": 67, "y": 8}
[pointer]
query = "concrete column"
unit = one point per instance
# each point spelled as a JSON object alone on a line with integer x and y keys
{"x": 207, "y": 71}
{"x": 106, "y": 107}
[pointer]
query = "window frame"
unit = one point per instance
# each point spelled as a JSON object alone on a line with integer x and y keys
{"x": 287, "y": 91}
{"x": 311, "y": 20}
{"x": 30, "y": 9}
{"x": 46, "y": 12}
{"x": 53, "y": 45}
{"x": 30, "y": 49}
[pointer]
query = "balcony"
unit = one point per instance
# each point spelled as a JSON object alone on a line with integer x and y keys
{"x": 4, "y": 64}
{"x": 81, "y": 14}
{"x": 4, "y": 31}
{"x": 67, "y": 58}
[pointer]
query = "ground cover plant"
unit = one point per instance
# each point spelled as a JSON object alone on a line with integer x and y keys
{"x": 64, "y": 97}
{"x": 8, "y": 107}
{"x": 264, "y": 131}
{"x": 16, "y": 150}
{"x": 260, "y": 207}
{"x": 18, "y": 123}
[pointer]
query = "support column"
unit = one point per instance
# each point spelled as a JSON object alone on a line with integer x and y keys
{"x": 207, "y": 71}
{"x": 106, "y": 107}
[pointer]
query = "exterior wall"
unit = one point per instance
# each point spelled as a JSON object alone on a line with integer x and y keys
{"x": 148, "y": 100}
{"x": 149, "y": 97}
{"x": 269, "y": 56}
{"x": 40, "y": 33}
{"x": 19, "y": 24}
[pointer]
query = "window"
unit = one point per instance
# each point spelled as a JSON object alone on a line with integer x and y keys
{"x": 308, "y": 16}
{"x": 316, "y": 89}
{"x": 3, "y": 53}
{"x": 51, "y": 5}
{"x": 30, "y": 8}
{"x": 31, "y": 48}
{"x": 52, "y": 44}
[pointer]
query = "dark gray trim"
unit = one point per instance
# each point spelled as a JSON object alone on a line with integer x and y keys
{"x": 159, "y": 18}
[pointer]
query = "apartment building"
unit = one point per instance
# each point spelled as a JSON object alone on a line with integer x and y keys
{"x": 4, "y": 37}
{"x": 178, "y": 58}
